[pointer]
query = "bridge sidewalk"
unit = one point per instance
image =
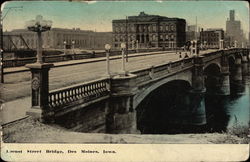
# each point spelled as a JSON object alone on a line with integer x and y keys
{"x": 14, "y": 110}
{"x": 83, "y": 61}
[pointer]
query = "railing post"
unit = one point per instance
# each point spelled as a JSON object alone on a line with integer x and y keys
{"x": 245, "y": 68}
{"x": 225, "y": 85}
{"x": 121, "y": 116}
{"x": 237, "y": 69}
{"x": 40, "y": 92}
{"x": 196, "y": 99}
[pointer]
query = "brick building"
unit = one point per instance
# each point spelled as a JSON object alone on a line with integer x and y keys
{"x": 149, "y": 31}
{"x": 55, "y": 38}
{"x": 211, "y": 37}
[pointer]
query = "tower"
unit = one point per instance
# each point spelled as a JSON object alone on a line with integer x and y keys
{"x": 232, "y": 15}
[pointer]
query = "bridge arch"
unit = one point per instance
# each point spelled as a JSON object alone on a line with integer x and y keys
{"x": 231, "y": 60}
{"x": 212, "y": 64}
{"x": 164, "y": 107}
{"x": 144, "y": 92}
{"x": 212, "y": 76}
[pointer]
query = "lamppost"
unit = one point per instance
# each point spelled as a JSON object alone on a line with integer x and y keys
{"x": 205, "y": 44}
{"x": 133, "y": 44}
{"x": 137, "y": 46}
{"x": 40, "y": 74}
{"x": 107, "y": 48}
{"x": 191, "y": 48}
{"x": 195, "y": 48}
{"x": 123, "y": 47}
{"x": 73, "y": 46}
{"x": 39, "y": 25}
{"x": 221, "y": 44}
{"x": 235, "y": 44}
{"x": 64, "y": 47}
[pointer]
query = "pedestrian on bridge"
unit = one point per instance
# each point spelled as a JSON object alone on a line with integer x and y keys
{"x": 180, "y": 55}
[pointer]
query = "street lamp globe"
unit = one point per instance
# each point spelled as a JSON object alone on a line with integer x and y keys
{"x": 107, "y": 46}
{"x": 123, "y": 45}
{"x": 64, "y": 42}
{"x": 39, "y": 24}
{"x": 73, "y": 42}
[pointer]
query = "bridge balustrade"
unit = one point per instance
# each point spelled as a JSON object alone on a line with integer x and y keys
{"x": 163, "y": 70}
{"x": 211, "y": 56}
{"x": 84, "y": 92}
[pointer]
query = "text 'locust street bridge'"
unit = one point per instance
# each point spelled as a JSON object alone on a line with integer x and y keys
{"x": 115, "y": 104}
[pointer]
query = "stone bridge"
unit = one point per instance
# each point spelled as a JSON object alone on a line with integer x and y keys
{"x": 117, "y": 104}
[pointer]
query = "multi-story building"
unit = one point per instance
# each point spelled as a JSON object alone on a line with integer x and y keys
{"x": 149, "y": 31}
{"x": 211, "y": 38}
{"x": 191, "y": 32}
{"x": 58, "y": 38}
{"x": 233, "y": 29}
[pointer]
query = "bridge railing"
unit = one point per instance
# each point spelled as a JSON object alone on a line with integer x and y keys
{"x": 65, "y": 57}
{"x": 89, "y": 91}
{"x": 159, "y": 71}
{"x": 80, "y": 93}
{"x": 18, "y": 62}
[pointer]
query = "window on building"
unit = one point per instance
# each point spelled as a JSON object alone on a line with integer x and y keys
{"x": 161, "y": 37}
{"x": 154, "y": 28}
{"x": 172, "y": 37}
{"x": 166, "y": 37}
{"x": 154, "y": 37}
{"x": 167, "y": 28}
{"x": 118, "y": 29}
{"x": 161, "y": 28}
{"x": 171, "y": 27}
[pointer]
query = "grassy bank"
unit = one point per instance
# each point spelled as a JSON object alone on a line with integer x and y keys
{"x": 32, "y": 131}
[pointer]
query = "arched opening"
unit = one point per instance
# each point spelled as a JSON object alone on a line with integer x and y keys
{"x": 215, "y": 100}
{"x": 213, "y": 81}
{"x": 166, "y": 109}
{"x": 236, "y": 85}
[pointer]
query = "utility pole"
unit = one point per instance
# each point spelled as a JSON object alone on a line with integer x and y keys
{"x": 196, "y": 28}
{"x": 126, "y": 39}
{"x": 1, "y": 50}
{"x": 1, "y": 35}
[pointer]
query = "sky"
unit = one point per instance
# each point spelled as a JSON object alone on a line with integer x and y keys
{"x": 99, "y": 15}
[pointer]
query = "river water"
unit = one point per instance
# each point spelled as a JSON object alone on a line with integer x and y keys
{"x": 224, "y": 112}
{"x": 159, "y": 111}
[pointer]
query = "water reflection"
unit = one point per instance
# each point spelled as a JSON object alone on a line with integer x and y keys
{"x": 226, "y": 111}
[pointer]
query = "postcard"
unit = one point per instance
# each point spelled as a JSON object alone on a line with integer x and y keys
{"x": 125, "y": 81}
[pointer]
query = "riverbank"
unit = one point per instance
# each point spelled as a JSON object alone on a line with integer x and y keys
{"x": 31, "y": 131}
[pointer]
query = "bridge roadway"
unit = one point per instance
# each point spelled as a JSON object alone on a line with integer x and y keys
{"x": 17, "y": 85}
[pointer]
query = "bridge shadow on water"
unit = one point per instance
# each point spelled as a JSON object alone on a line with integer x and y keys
{"x": 166, "y": 110}
{"x": 224, "y": 112}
